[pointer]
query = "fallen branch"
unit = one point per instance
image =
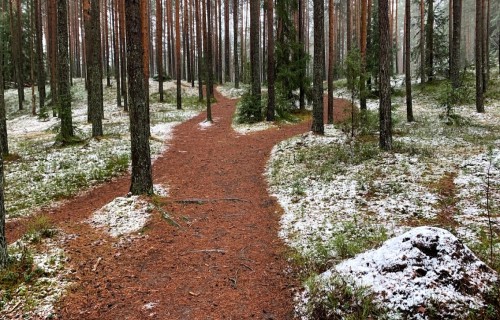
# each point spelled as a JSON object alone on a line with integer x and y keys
{"x": 234, "y": 281}
{"x": 244, "y": 265}
{"x": 209, "y": 251}
{"x": 94, "y": 268}
{"x": 202, "y": 201}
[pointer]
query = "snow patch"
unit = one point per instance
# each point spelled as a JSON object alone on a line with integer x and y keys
{"x": 160, "y": 190}
{"x": 420, "y": 268}
{"x": 122, "y": 216}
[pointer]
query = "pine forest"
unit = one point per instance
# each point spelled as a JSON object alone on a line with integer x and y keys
{"x": 250, "y": 159}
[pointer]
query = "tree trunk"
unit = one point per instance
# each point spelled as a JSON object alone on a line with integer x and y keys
{"x": 254, "y": 54}
{"x": 145, "y": 40}
{"x": 364, "y": 32}
{"x": 227, "y": 70}
{"x": 116, "y": 62}
{"x": 409, "y": 107}
{"x": 159, "y": 46}
{"x": 141, "y": 178}
{"x": 430, "y": 40}
{"x": 17, "y": 56}
{"x": 422, "y": 42}
{"x": 485, "y": 45}
{"x": 123, "y": 56}
{"x": 64, "y": 98}
{"x": 91, "y": 16}
{"x": 319, "y": 65}
{"x": 209, "y": 61}
{"x": 384, "y": 77}
{"x": 199, "y": 50}
{"x": 178, "y": 60}
{"x": 187, "y": 52}
{"x": 302, "y": 94}
{"x": 3, "y": 150}
{"x": 455, "y": 47}
{"x": 331, "y": 40}
{"x": 219, "y": 40}
{"x": 3, "y": 240}
{"x": 235, "y": 45}
{"x": 348, "y": 27}
{"x": 479, "y": 57}
{"x": 396, "y": 40}
{"x": 39, "y": 57}
{"x": 4, "y": 143}
{"x": 106, "y": 43}
{"x": 450, "y": 35}
{"x": 270, "y": 62}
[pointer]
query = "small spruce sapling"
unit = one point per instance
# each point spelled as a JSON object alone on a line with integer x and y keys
{"x": 488, "y": 200}
{"x": 353, "y": 73}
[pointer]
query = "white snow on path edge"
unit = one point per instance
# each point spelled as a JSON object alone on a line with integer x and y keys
{"x": 423, "y": 265}
{"x": 125, "y": 215}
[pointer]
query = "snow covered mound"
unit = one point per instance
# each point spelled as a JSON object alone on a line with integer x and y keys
{"x": 121, "y": 216}
{"x": 422, "y": 268}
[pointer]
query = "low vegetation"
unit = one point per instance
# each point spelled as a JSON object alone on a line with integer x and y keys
{"x": 343, "y": 196}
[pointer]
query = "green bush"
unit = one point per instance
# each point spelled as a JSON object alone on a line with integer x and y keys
{"x": 250, "y": 109}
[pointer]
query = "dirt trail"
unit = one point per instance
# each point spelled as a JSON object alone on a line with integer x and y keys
{"x": 225, "y": 260}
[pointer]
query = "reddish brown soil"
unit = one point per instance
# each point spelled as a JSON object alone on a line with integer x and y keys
{"x": 223, "y": 261}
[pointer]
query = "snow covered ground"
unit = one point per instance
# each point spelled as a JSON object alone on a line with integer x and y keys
{"x": 40, "y": 173}
{"x": 125, "y": 215}
{"x": 44, "y": 284}
{"x": 342, "y": 197}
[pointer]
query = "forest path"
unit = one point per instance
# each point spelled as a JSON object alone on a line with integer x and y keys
{"x": 225, "y": 261}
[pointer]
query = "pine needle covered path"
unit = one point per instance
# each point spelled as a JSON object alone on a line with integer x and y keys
{"x": 217, "y": 256}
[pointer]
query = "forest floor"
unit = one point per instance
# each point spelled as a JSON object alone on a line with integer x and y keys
{"x": 210, "y": 249}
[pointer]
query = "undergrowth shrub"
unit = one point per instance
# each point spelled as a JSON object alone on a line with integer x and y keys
{"x": 250, "y": 109}
{"x": 338, "y": 298}
{"x": 20, "y": 269}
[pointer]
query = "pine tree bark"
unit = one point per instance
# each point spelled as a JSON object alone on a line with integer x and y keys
{"x": 479, "y": 57}
{"x": 178, "y": 60}
{"x": 141, "y": 178}
{"x": 209, "y": 68}
{"x": 17, "y": 56}
{"x": 348, "y": 27}
{"x": 92, "y": 23}
{"x": 159, "y": 46}
{"x": 106, "y": 42}
{"x": 331, "y": 11}
{"x": 64, "y": 94}
{"x": 39, "y": 56}
{"x": 116, "y": 53}
{"x": 318, "y": 67}
{"x": 422, "y": 42}
{"x": 363, "y": 37}
{"x": 227, "y": 58}
{"x": 409, "y": 106}
{"x": 199, "y": 50}
{"x": 455, "y": 47}
{"x": 3, "y": 150}
{"x": 52, "y": 46}
{"x": 4, "y": 143}
{"x": 270, "y": 62}
{"x": 429, "y": 37}
{"x": 385, "y": 141}
{"x": 145, "y": 40}
{"x": 302, "y": 91}
{"x": 254, "y": 55}
{"x": 235, "y": 45}
{"x": 219, "y": 41}
{"x": 485, "y": 46}
{"x": 3, "y": 240}
{"x": 123, "y": 56}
